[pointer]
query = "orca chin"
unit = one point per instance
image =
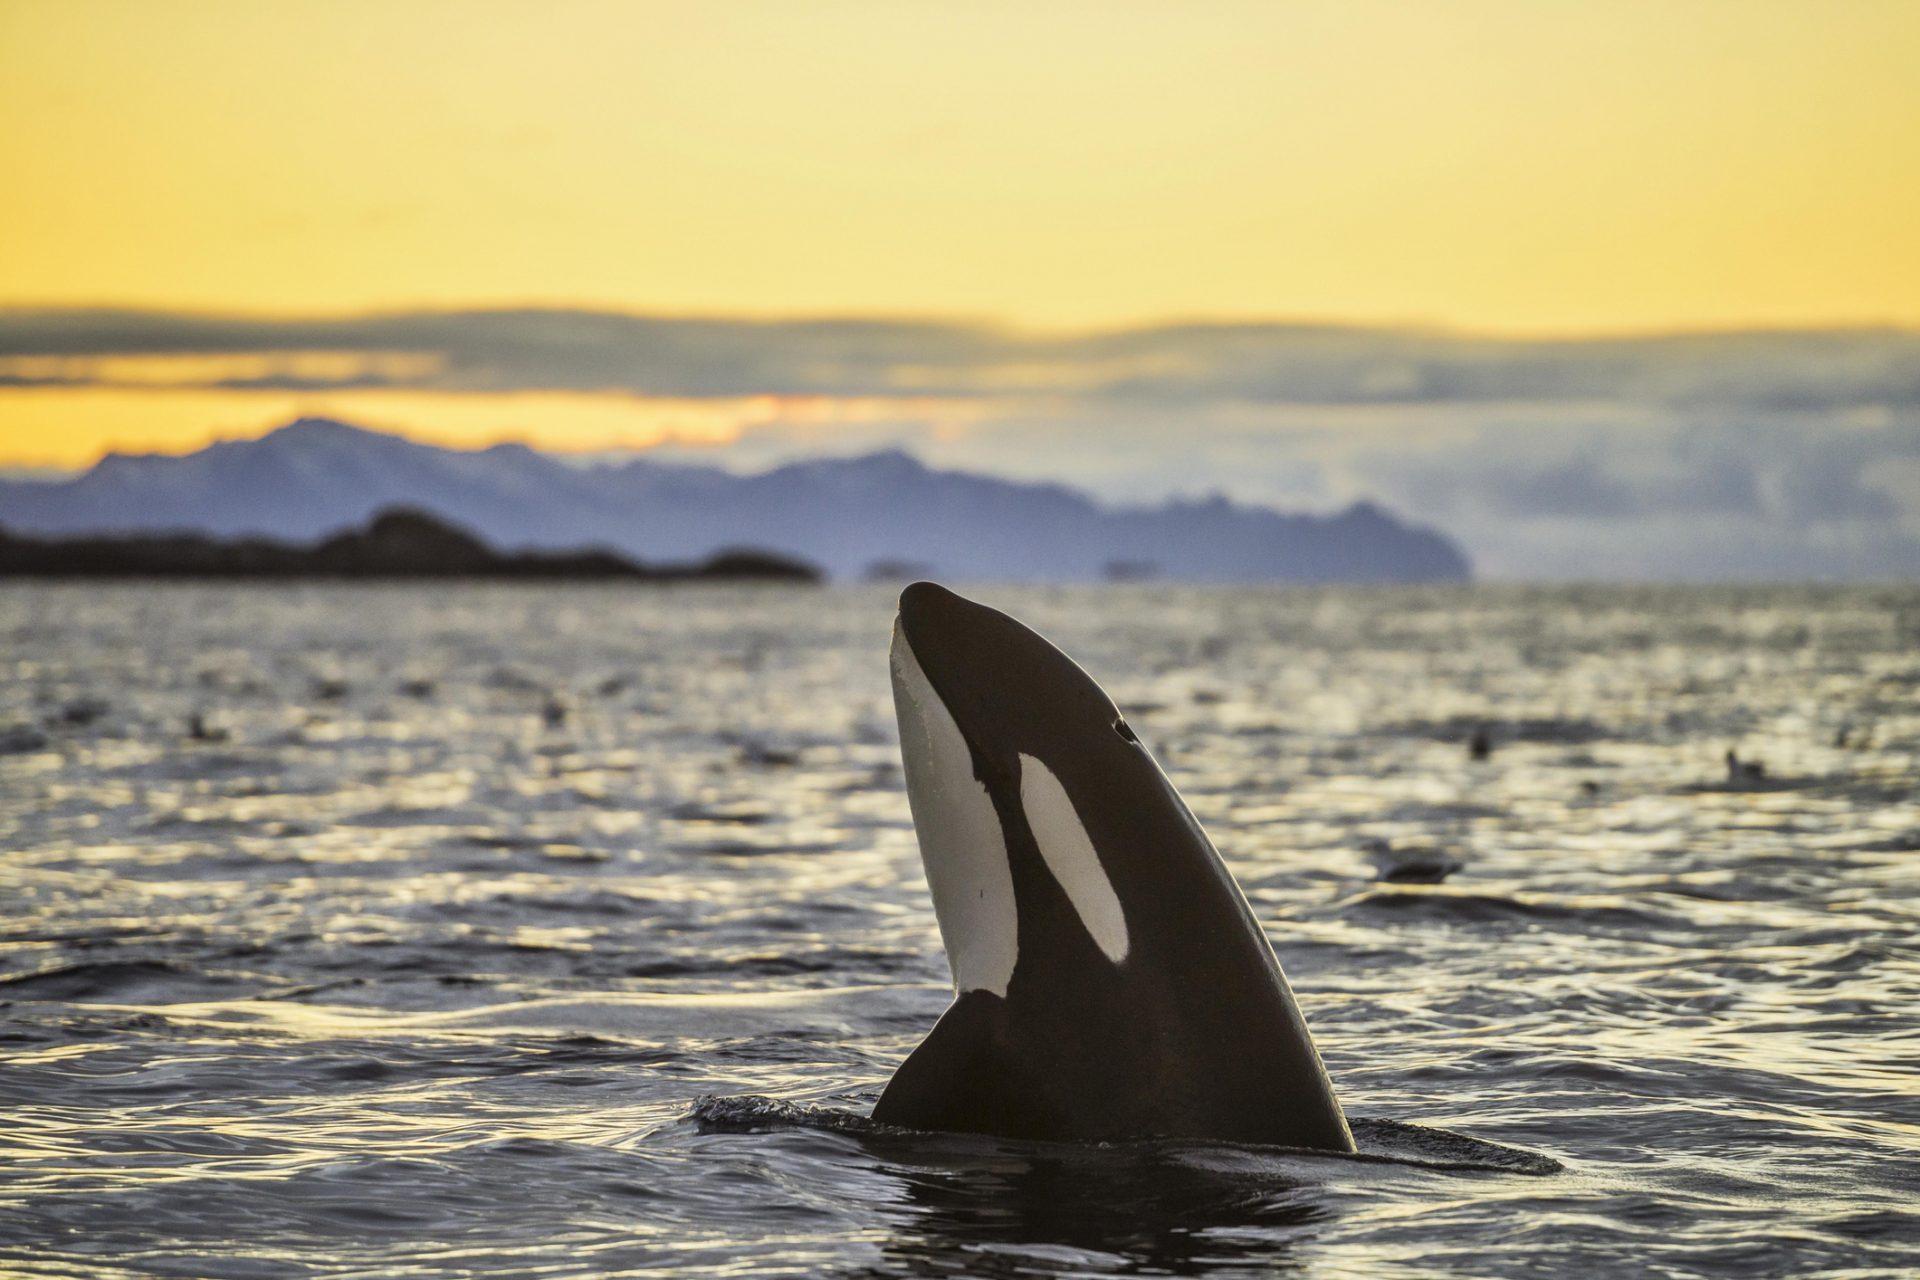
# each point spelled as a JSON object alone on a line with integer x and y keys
{"x": 1110, "y": 980}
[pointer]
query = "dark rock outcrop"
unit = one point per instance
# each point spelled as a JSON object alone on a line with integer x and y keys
{"x": 398, "y": 543}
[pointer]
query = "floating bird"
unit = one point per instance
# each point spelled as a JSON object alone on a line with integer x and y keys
{"x": 200, "y": 730}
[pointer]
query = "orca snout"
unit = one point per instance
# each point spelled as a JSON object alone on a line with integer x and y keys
{"x": 925, "y": 605}
{"x": 994, "y": 671}
{"x": 942, "y": 625}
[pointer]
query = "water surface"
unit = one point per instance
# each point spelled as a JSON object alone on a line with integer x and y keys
{"x": 402, "y": 931}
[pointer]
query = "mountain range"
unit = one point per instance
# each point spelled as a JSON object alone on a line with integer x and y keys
{"x": 315, "y": 477}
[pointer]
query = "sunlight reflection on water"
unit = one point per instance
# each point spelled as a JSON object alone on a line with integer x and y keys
{"x": 397, "y": 930}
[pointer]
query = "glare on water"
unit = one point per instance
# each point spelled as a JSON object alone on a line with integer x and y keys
{"x": 352, "y": 930}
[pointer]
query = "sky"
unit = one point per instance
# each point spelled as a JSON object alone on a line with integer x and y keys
{"x": 1512, "y": 266}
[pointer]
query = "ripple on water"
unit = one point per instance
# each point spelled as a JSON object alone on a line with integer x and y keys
{"x": 416, "y": 960}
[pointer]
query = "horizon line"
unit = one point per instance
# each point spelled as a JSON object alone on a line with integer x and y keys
{"x": 976, "y": 322}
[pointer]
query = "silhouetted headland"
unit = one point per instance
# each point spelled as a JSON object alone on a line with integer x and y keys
{"x": 887, "y": 514}
{"x": 397, "y": 543}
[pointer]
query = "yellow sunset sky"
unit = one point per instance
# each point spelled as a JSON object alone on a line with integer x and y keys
{"x": 1538, "y": 168}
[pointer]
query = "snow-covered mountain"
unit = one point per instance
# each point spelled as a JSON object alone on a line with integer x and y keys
{"x": 314, "y": 477}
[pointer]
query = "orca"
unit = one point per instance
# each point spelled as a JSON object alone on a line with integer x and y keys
{"x": 1110, "y": 980}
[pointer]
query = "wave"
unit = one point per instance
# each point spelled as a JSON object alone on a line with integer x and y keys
{"x": 120, "y": 981}
{"x": 1455, "y": 907}
{"x": 1380, "y": 1141}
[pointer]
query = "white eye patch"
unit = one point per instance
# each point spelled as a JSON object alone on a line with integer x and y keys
{"x": 1069, "y": 854}
{"x": 961, "y": 843}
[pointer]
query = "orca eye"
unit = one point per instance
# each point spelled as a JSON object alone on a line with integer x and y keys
{"x": 1125, "y": 730}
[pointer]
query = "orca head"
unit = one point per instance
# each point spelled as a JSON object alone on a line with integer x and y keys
{"x": 998, "y": 730}
{"x": 1110, "y": 978}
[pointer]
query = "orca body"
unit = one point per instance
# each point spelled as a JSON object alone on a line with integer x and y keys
{"x": 1111, "y": 981}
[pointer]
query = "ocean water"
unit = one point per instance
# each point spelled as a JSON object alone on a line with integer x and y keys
{"x": 571, "y": 931}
